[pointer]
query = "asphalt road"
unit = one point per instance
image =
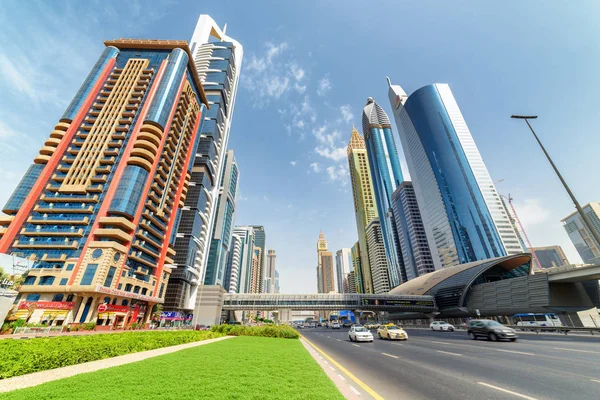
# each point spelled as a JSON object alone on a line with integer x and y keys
{"x": 448, "y": 365}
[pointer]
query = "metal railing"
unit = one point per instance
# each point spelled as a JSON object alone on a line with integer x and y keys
{"x": 34, "y": 329}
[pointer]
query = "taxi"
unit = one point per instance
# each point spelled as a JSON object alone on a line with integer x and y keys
{"x": 392, "y": 332}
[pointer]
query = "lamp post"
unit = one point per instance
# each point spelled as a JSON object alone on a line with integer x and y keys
{"x": 586, "y": 220}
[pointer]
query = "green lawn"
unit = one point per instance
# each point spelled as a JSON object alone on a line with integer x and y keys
{"x": 237, "y": 368}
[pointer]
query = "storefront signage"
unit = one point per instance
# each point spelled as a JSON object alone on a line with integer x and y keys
{"x": 47, "y": 305}
{"x": 392, "y": 302}
{"x": 5, "y": 283}
{"x": 112, "y": 308}
{"x": 122, "y": 293}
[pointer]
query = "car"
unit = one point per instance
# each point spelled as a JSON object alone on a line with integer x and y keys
{"x": 491, "y": 330}
{"x": 441, "y": 326}
{"x": 335, "y": 325}
{"x": 360, "y": 334}
{"x": 347, "y": 324}
{"x": 391, "y": 331}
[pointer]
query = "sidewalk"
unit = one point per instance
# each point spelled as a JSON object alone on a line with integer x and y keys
{"x": 37, "y": 378}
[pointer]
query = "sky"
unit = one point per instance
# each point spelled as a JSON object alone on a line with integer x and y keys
{"x": 307, "y": 71}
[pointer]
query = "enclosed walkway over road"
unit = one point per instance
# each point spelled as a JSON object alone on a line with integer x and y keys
{"x": 329, "y": 302}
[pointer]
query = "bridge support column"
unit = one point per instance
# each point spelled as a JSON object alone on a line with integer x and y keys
{"x": 432, "y": 315}
{"x": 209, "y": 305}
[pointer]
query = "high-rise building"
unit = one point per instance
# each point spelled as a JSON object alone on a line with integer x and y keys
{"x": 269, "y": 283}
{"x": 325, "y": 272}
{"x": 246, "y": 238}
{"x": 550, "y": 256}
{"x": 386, "y": 175}
{"x": 98, "y": 208}
{"x": 343, "y": 266}
{"x": 582, "y": 238}
{"x": 411, "y": 233}
{"x": 351, "y": 282}
{"x": 260, "y": 240}
{"x": 377, "y": 258}
{"x": 277, "y": 288}
{"x": 231, "y": 280}
{"x": 357, "y": 258}
{"x": 365, "y": 208}
{"x": 462, "y": 213}
{"x": 255, "y": 286}
{"x": 217, "y": 59}
{"x": 222, "y": 229}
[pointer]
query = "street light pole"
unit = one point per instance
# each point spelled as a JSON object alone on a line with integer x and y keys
{"x": 586, "y": 220}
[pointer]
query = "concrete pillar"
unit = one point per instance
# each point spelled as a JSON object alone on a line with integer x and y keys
{"x": 209, "y": 305}
{"x": 93, "y": 313}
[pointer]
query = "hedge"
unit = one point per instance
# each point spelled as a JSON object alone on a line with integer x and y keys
{"x": 20, "y": 357}
{"x": 274, "y": 331}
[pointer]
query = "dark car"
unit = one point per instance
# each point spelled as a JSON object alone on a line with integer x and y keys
{"x": 490, "y": 330}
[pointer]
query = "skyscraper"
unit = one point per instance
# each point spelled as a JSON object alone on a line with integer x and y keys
{"x": 582, "y": 239}
{"x": 260, "y": 240}
{"x": 217, "y": 59}
{"x": 377, "y": 258}
{"x": 386, "y": 175}
{"x": 277, "y": 288}
{"x": 99, "y": 206}
{"x": 343, "y": 266}
{"x": 357, "y": 258}
{"x": 269, "y": 283}
{"x": 255, "y": 286}
{"x": 325, "y": 273}
{"x": 462, "y": 213}
{"x": 411, "y": 232}
{"x": 351, "y": 282}
{"x": 365, "y": 208}
{"x": 222, "y": 230}
{"x": 246, "y": 237}
{"x": 550, "y": 256}
{"x": 231, "y": 280}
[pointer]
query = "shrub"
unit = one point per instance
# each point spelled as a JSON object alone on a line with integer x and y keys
{"x": 274, "y": 331}
{"x": 20, "y": 357}
{"x": 89, "y": 326}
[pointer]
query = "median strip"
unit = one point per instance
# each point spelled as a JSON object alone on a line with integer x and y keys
{"x": 507, "y": 391}
{"x": 448, "y": 352}
{"x": 516, "y": 352}
{"x": 390, "y": 355}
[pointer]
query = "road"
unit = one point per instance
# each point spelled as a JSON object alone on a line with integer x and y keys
{"x": 448, "y": 365}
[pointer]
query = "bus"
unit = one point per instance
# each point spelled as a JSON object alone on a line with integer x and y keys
{"x": 531, "y": 319}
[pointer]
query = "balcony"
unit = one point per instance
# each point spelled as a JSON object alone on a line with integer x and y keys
{"x": 46, "y": 244}
{"x": 50, "y": 232}
{"x": 69, "y": 199}
{"x": 51, "y": 220}
{"x": 112, "y": 233}
{"x": 63, "y": 210}
{"x": 120, "y": 222}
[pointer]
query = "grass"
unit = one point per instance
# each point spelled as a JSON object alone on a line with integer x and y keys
{"x": 237, "y": 368}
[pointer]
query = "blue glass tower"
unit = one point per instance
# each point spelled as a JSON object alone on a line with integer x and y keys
{"x": 386, "y": 175}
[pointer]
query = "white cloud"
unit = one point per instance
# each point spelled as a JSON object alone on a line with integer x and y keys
{"x": 338, "y": 173}
{"x": 346, "y": 113}
{"x": 265, "y": 198}
{"x": 335, "y": 154}
{"x": 324, "y": 86}
{"x": 293, "y": 163}
{"x": 296, "y": 71}
{"x": 300, "y": 88}
{"x": 532, "y": 212}
{"x": 242, "y": 198}
{"x": 276, "y": 86}
{"x": 315, "y": 167}
{"x": 290, "y": 206}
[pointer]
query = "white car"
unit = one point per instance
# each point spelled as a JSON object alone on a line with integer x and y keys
{"x": 360, "y": 334}
{"x": 335, "y": 325}
{"x": 441, "y": 326}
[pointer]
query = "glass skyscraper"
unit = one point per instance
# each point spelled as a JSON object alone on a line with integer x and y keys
{"x": 386, "y": 176}
{"x": 99, "y": 207}
{"x": 582, "y": 238}
{"x": 462, "y": 213}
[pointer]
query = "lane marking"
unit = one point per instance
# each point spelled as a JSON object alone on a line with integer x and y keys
{"x": 448, "y": 352}
{"x": 341, "y": 377}
{"x": 433, "y": 341}
{"x": 390, "y": 355}
{"x": 330, "y": 367}
{"x": 348, "y": 373}
{"x": 507, "y": 391}
{"x": 338, "y": 340}
{"x": 329, "y": 337}
{"x": 399, "y": 344}
{"x": 577, "y": 350}
{"x": 355, "y": 345}
{"x": 516, "y": 352}
{"x": 356, "y": 392}
{"x": 595, "y": 380}
{"x": 325, "y": 362}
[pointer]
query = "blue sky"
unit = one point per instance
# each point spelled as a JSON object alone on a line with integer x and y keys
{"x": 308, "y": 69}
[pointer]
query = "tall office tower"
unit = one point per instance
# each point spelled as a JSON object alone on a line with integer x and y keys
{"x": 365, "y": 209}
{"x": 411, "y": 232}
{"x": 462, "y": 213}
{"x": 386, "y": 175}
{"x": 217, "y": 59}
{"x": 550, "y": 256}
{"x": 343, "y": 266}
{"x": 579, "y": 234}
{"x": 377, "y": 258}
{"x": 99, "y": 206}
{"x": 222, "y": 229}
{"x": 269, "y": 282}
{"x": 260, "y": 240}
{"x": 357, "y": 258}
{"x": 351, "y": 282}
{"x": 255, "y": 286}
{"x": 246, "y": 237}
{"x": 277, "y": 288}
{"x": 325, "y": 273}
{"x": 231, "y": 281}
{"x": 321, "y": 248}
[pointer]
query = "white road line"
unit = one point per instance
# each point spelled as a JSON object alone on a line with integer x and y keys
{"x": 507, "y": 391}
{"x": 390, "y": 355}
{"x": 447, "y": 352}
{"x": 338, "y": 340}
{"x": 433, "y": 341}
{"x": 399, "y": 344}
{"x": 516, "y": 352}
{"x": 355, "y": 345}
{"x": 354, "y": 390}
{"x": 595, "y": 380}
{"x": 341, "y": 377}
{"x": 330, "y": 367}
{"x": 325, "y": 362}
{"x": 329, "y": 337}
{"x": 577, "y": 350}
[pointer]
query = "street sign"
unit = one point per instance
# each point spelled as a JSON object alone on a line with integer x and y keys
{"x": 102, "y": 308}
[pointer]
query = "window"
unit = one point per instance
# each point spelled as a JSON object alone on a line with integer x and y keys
{"x": 32, "y": 297}
{"x": 70, "y": 297}
{"x": 128, "y": 287}
{"x": 46, "y": 280}
{"x": 88, "y": 276}
{"x": 120, "y": 286}
{"x": 107, "y": 300}
{"x": 63, "y": 281}
{"x": 30, "y": 280}
{"x": 114, "y": 302}
{"x": 144, "y": 291}
{"x": 125, "y": 303}
{"x": 58, "y": 297}
{"x": 110, "y": 276}
{"x": 136, "y": 289}
{"x": 70, "y": 267}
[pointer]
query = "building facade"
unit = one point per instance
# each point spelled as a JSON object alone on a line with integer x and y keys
{"x": 351, "y": 283}
{"x": 343, "y": 266}
{"x": 217, "y": 59}
{"x": 255, "y": 285}
{"x": 223, "y": 224}
{"x": 377, "y": 258}
{"x": 386, "y": 176}
{"x": 269, "y": 283}
{"x": 582, "y": 239}
{"x": 231, "y": 281}
{"x": 411, "y": 232}
{"x": 463, "y": 215}
{"x": 98, "y": 208}
{"x": 277, "y": 287}
{"x": 550, "y": 256}
{"x": 365, "y": 208}
{"x": 246, "y": 238}
{"x": 357, "y": 258}
{"x": 260, "y": 240}
{"x": 325, "y": 272}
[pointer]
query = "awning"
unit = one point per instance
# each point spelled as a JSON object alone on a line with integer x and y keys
{"x": 57, "y": 314}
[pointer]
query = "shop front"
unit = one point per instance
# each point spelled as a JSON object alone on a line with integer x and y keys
{"x": 50, "y": 313}
{"x": 174, "y": 319}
